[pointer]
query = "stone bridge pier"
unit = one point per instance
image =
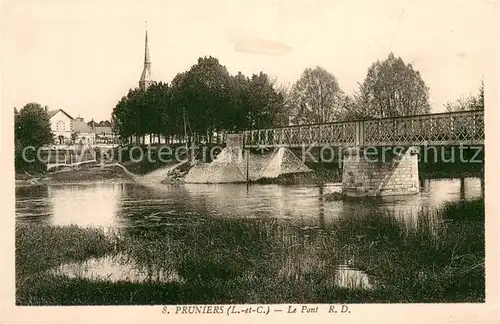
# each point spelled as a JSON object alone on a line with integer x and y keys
{"x": 384, "y": 173}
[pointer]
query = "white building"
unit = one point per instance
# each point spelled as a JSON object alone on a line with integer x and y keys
{"x": 61, "y": 124}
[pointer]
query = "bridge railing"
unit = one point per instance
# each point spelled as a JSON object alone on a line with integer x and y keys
{"x": 465, "y": 127}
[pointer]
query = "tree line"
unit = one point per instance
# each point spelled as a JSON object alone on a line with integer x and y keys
{"x": 471, "y": 102}
{"x": 102, "y": 123}
{"x": 201, "y": 101}
{"x": 207, "y": 99}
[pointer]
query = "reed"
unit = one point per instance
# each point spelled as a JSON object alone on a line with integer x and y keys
{"x": 439, "y": 257}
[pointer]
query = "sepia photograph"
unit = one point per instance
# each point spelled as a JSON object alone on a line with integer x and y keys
{"x": 228, "y": 157}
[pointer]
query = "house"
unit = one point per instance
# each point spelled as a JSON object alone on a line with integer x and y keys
{"x": 61, "y": 124}
{"x": 84, "y": 134}
{"x": 104, "y": 135}
{"x": 68, "y": 130}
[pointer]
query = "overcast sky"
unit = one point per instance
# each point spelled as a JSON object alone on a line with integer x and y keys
{"x": 84, "y": 56}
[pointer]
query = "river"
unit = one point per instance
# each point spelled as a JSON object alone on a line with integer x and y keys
{"x": 123, "y": 204}
{"x": 132, "y": 208}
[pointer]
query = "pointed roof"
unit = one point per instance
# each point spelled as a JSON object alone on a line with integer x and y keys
{"x": 146, "y": 50}
{"x": 146, "y": 72}
{"x": 52, "y": 113}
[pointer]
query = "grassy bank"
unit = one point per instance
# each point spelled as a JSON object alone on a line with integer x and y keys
{"x": 439, "y": 257}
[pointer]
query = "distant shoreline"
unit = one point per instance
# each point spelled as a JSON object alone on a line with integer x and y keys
{"x": 96, "y": 172}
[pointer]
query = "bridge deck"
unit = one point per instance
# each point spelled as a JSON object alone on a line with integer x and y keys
{"x": 466, "y": 128}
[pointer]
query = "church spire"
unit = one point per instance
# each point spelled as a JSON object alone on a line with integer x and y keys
{"x": 146, "y": 80}
{"x": 146, "y": 50}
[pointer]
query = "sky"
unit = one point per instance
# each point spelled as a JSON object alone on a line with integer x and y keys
{"x": 83, "y": 56}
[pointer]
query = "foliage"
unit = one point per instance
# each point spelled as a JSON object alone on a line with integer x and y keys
{"x": 74, "y": 136}
{"x": 31, "y": 129}
{"x": 32, "y": 126}
{"x": 317, "y": 98}
{"x": 205, "y": 99}
{"x": 102, "y": 123}
{"x": 391, "y": 88}
{"x": 468, "y": 103}
{"x": 264, "y": 105}
{"x": 204, "y": 95}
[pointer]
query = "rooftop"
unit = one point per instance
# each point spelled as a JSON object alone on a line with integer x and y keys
{"x": 52, "y": 113}
{"x": 81, "y": 127}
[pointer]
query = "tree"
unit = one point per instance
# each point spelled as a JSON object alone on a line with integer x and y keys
{"x": 158, "y": 109}
{"x": 102, "y": 123}
{"x": 284, "y": 91}
{"x": 74, "y": 137}
{"x": 32, "y": 126}
{"x": 468, "y": 103}
{"x": 255, "y": 103}
{"x": 391, "y": 88}
{"x": 316, "y": 97}
{"x": 126, "y": 114}
{"x": 92, "y": 124}
{"x": 265, "y": 107}
{"x": 31, "y": 129}
{"x": 240, "y": 101}
{"x": 199, "y": 102}
{"x": 203, "y": 95}
{"x": 480, "y": 98}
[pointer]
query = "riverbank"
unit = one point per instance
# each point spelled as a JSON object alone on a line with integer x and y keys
{"x": 439, "y": 258}
{"x": 320, "y": 174}
{"x": 85, "y": 173}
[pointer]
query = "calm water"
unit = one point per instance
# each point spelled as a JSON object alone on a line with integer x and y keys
{"x": 124, "y": 205}
{"x": 119, "y": 205}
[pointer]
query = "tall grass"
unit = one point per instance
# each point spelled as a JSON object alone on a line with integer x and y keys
{"x": 438, "y": 258}
{"x": 52, "y": 245}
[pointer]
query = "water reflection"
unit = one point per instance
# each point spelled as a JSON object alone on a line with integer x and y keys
{"x": 121, "y": 268}
{"x": 309, "y": 257}
{"x": 127, "y": 204}
{"x": 85, "y": 205}
{"x": 441, "y": 190}
{"x": 117, "y": 268}
{"x": 33, "y": 204}
{"x": 351, "y": 278}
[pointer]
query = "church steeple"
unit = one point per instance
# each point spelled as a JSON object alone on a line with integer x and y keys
{"x": 146, "y": 80}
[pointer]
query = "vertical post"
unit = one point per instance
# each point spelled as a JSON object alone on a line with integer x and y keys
{"x": 357, "y": 140}
{"x": 247, "y": 151}
{"x": 462, "y": 188}
{"x": 321, "y": 205}
{"x": 361, "y": 133}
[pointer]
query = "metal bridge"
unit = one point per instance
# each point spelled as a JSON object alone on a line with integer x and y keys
{"x": 455, "y": 128}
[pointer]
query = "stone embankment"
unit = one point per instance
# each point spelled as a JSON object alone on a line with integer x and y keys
{"x": 233, "y": 165}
